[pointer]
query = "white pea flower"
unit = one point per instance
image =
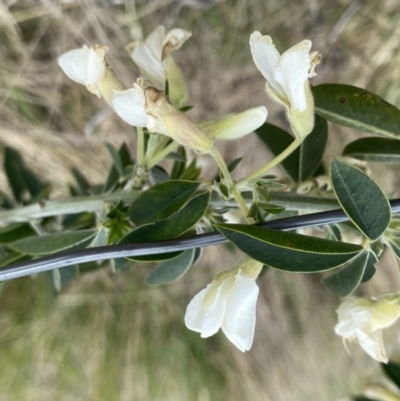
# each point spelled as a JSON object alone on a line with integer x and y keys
{"x": 153, "y": 57}
{"x": 287, "y": 78}
{"x": 146, "y": 106}
{"x": 363, "y": 320}
{"x": 88, "y": 67}
{"x": 235, "y": 126}
{"x": 229, "y": 303}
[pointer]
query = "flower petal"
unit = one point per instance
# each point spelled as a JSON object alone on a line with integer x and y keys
{"x": 178, "y": 92}
{"x": 237, "y": 125}
{"x": 240, "y": 316}
{"x": 130, "y": 106}
{"x": 174, "y": 39}
{"x": 195, "y": 313}
{"x": 265, "y": 57}
{"x": 74, "y": 63}
{"x": 155, "y": 41}
{"x": 216, "y": 307}
{"x": 372, "y": 345}
{"x": 95, "y": 67}
{"x": 292, "y": 71}
{"x": 148, "y": 61}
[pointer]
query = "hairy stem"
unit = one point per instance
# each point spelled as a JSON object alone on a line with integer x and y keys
{"x": 274, "y": 162}
{"x": 229, "y": 182}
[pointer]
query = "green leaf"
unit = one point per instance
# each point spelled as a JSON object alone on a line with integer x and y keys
{"x": 184, "y": 109}
{"x": 270, "y": 208}
{"x": 392, "y": 369}
{"x": 179, "y": 167}
{"x": 383, "y": 150}
{"x": 23, "y": 182}
{"x": 347, "y": 279}
{"x": 51, "y": 243}
{"x": 302, "y": 163}
{"x": 233, "y": 165}
{"x": 288, "y": 251}
{"x": 161, "y": 201}
{"x": 114, "y": 175}
{"x": 84, "y": 187}
{"x": 172, "y": 269}
{"x": 61, "y": 277}
{"x": 176, "y": 156}
{"x": 361, "y": 199}
{"x": 357, "y": 108}
{"x": 116, "y": 158}
{"x": 13, "y": 257}
{"x": 370, "y": 268}
{"x": 169, "y": 228}
{"x": 158, "y": 174}
{"x": 15, "y": 232}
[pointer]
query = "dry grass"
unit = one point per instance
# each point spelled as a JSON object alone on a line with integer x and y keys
{"x": 110, "y": 337}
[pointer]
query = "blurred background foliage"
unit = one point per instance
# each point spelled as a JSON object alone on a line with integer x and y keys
{"x": 111, "y": 337}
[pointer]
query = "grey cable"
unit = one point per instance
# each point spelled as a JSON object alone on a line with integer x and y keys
{"x": 69, "y": 258}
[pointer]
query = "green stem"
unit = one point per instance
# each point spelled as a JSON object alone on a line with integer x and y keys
{"x": 291, "y": 201}
{"x": 162, "y": 154}
{"x": 65, "y": 206}
{"x": 141, "y": 157}
{"x": 274, "y": 162}
{"x": 152, "y": 144}
{"x": 229, "y": 182}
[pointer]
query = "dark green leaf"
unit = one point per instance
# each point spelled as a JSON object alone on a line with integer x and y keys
{"x": 370, "y": 268}
{"x": 288, "y": 251}
{"x": 116, "y": 158}
{"x": 374, "y": 149}
{"x": 172, "y": 269}
{"x": 169, "y": 228}
{"x": 270, "y": 208}
{"x": 302, "y": 163}
{"x": 179, "y": 167}
{"x": 84, "y": 187}
{"x": 347, "y": 279}
{"x": 191, "y": 172}
{"x": 13, "y": 257}
{"x": 361, "y": 199}
{"x": 114, "y": 176}
{"x": 184, "y": 109}
{"x": 392, "y": 369}
{"x": 15, "y": 232}
{"x": 224, "y": 190}
{"x": 233, "y": 165}
{"x": 176, "y": 156}
{"x": 51, "y": 243}
{"x": 161, "y": 201}
{"x": 158, "y": 174}
{"x": 357, "y": 108}
{"x": 79, "y": 221}
{"x": 253, "y": 210}
{"x": 23, "y": 181}
{"x": 334, "y": 232}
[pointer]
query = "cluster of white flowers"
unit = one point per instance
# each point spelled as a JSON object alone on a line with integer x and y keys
{"x": 147, "y": 105}
{"x": 229, "y": 302}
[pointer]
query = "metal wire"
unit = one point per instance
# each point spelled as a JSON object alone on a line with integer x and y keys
{"x": 63, "y": 259}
